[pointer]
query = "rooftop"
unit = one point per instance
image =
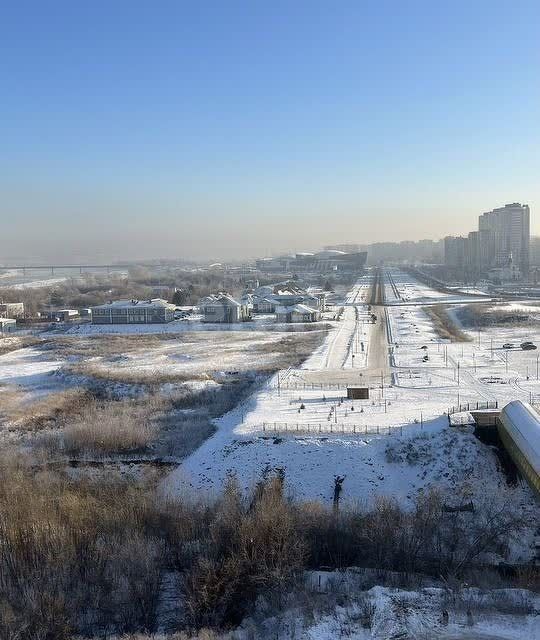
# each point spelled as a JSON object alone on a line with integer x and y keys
{"x": 154, "y": 303}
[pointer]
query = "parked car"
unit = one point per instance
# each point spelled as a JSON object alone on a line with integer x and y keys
{"x": 508, "y": 345}
{"x": 528, "y": 346}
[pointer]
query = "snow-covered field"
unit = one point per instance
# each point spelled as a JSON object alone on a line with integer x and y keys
{"x": 476, "y": 371}
{"x": 318, "y": 434}
{"x": 28, "y": 368}
{"x": 412, "y": 291}
{"x": 196, "y": 353}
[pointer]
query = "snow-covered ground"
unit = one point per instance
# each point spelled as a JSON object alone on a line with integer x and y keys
{"x": 412, "y": 291}
{"x": 476, "y": 371}
{"x": 313, "y": 434}
{"x": 28, "y": 368}
{"x": 189, "y": 356}
{"x": 383, "y": 613}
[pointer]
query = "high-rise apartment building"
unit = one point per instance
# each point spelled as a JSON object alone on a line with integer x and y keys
{"x": 455, "y": 251}
{"x": 505, "y": 237}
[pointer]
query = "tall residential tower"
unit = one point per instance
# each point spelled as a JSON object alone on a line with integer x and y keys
{"x": 505, "y": 236}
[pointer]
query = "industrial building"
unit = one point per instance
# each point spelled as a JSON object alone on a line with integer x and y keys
{"x": 61, "y": 315}
{"x": 154, "y": 311}
{"x": 224, "y": 308}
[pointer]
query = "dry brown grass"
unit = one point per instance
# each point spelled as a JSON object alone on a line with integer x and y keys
{"x": 110, "y": 427}
{"x": 290, "y": 350}
{"x": 50, "y": 411}
{"x": 124, "y": 375}
{"x": 13, "y": 343}
{"x": 74, "y": 554}
{"x": 444, "y": 325}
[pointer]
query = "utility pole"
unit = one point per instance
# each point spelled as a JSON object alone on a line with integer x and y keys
{"x": 458, "y": 373}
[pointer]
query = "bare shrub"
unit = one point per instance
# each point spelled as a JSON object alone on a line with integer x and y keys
{"x": 253, "y": 550}
{"x": 74, "y": 556}
{"x": 111, "y": 427}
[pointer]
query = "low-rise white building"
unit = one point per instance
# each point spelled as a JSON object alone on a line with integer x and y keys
{"x": 224, "y": 308}
{"x": 154, "y": 311}
{"x": 11, "y": 310}
{"x": 297, "y": 313}
{"x": 264, "y": 304}
{"x": 7, "y": 325}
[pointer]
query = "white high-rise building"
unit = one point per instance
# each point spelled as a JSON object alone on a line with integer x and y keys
{"x": 505, "y": 235}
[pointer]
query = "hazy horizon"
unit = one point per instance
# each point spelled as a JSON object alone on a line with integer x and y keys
{"x": 236, "y": 131}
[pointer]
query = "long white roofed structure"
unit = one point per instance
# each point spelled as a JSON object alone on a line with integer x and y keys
{"x": 519, "y": 430}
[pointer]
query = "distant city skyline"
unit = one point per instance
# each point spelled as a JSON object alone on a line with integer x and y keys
{"x": 235, "y": 130}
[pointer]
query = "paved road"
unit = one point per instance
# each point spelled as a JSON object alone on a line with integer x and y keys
{"x": 338, "y": 367}
{"x": 338, "y": 351}
{"x": 378, "y": 351}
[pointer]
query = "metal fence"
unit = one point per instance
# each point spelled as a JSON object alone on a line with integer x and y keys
{"x": 372, "y": 381}
{"x": 473, "y": 406}
{"x": 291, "y": 428}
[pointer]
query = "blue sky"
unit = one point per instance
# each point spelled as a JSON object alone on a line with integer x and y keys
{"x": 216, "y": 129}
